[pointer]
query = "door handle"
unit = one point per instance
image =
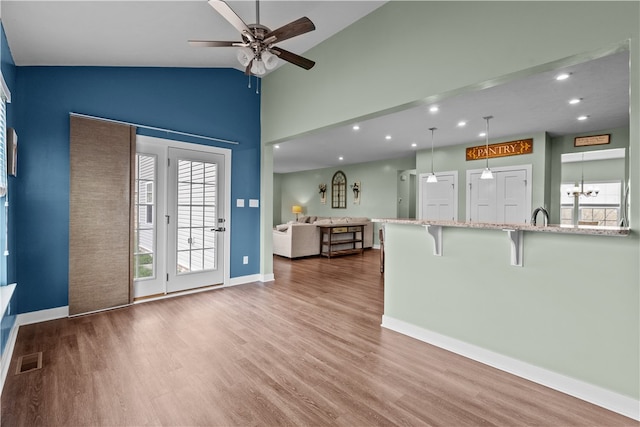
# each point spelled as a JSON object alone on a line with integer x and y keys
{"x": 219, "y": 229}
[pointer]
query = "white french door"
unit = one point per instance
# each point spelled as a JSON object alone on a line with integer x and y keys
{"x": 196, "y": 220}
{"x": 505, "y": 199}
{"x": 181, "y": 207}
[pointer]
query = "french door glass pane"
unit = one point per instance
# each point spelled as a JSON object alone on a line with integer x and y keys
{"x": 144, "y": 227}
{"x": 197, "y": 215}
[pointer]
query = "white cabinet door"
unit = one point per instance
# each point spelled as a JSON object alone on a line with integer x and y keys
{"x": 438, "y": 201}
{"x": 505, "y": 199}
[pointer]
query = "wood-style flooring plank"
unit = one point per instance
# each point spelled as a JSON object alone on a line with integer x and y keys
{"x": 304, "y": 350}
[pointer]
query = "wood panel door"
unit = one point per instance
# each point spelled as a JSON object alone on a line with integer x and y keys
{"x": 100, "y": 214}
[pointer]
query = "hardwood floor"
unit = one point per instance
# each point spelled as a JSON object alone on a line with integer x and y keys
{"x": 306, "y": 349}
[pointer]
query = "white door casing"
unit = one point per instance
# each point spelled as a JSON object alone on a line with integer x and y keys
{"x": 167, "y": 278}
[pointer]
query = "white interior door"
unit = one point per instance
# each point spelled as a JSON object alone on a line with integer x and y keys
{"x": 482, "y": 206}
{"x": 505, "y": 199}
{"x": 196, "y": 222}
{"x": 438, "y": 200}
{"x": 511, "y": 197}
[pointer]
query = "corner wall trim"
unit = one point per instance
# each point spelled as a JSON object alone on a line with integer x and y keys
{"x": 42, "y": 315}
{"x": 267, "y": 278}
{"x": 8, "y": 353}
{"x": 607, "y": 399}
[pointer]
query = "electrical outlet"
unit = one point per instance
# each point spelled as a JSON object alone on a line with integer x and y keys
{"x": 245, "y": 259}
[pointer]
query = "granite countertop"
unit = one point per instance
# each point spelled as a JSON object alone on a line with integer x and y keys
{"x": 564, "y": 229}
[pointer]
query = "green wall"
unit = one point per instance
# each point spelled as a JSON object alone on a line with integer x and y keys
{"x": 378, "y": 198}
{"x": 277, "y": 198}
{"x": 574, "y": 307}
{"x": 408, "y": 51}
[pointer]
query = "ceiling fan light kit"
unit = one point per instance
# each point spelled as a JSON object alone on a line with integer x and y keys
{"x": 257, "y": 52}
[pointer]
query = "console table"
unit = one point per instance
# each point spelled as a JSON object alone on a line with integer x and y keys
{"x": 341, "y": 239}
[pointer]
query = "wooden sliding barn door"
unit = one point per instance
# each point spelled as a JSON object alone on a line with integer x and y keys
{"x": 100, "y": 215}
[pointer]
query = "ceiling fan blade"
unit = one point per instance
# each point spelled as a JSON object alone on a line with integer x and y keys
{"x": 212, "y": 43}
{"x": 227, "y": 13}
{"x": 298, "y": 60}
{"x": 292, "y": 29}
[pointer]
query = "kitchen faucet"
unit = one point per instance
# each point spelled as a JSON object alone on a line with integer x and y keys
{"x": 534, "y": 215}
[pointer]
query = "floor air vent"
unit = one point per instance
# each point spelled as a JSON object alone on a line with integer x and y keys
{"x": 30, "y": 362}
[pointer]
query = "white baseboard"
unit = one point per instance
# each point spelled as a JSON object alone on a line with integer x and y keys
{"x": 27, "y": 319}
{"x": 8, "y": 353}
{"x": 42, "y": 315}
{"x": 607, "y": 399}
{"x": 267, "y": 278}
{"x": 242, "y": 280}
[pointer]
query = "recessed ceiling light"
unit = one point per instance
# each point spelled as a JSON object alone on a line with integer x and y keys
{"x": 340, "y": 158}
{"x": 575, "y": 101}
{"x": 276, "y": 146}
{"x": 356, "y": 127}
{"x": 462, "y": 123}
{"x": 563, "y": 76}
{"x": 482, "y": 134}
{"x": 434, "y": 109}
{"x": 414, "y": 144}
{"x": 388, "y": 137}
{"x": 583, "y": 118}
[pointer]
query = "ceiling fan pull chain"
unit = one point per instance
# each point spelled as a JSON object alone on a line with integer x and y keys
{"x": 257, "y": 85}
{"x": 249, "y": 81}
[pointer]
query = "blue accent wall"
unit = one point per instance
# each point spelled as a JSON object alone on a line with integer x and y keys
{"x": 211, "y": 102}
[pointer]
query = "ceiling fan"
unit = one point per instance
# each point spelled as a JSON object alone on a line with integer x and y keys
{"x": 257, "y": 52}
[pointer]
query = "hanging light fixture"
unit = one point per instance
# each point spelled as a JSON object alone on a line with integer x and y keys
{"x": 486, "y": 173}
{"x": 432, "y": 178}
{"x": 576, "y": 192}
{"x": 244, "y": 55}
{"x": 580, "y": 191}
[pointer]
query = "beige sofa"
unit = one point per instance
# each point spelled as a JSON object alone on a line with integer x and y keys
{"x": 302, "y": 238}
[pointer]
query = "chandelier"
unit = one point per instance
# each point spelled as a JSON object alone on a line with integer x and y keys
{"x": 578, "y": 191}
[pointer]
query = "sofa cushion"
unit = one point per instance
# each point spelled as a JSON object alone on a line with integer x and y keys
{"x": 282, "y": 227}
{"x": 323, "y": 221}
{"x": 358, "y": 219}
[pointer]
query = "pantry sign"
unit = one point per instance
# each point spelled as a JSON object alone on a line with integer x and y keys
{"x": 502, "y": 149}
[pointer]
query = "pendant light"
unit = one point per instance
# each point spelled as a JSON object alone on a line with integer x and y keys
{"x": 432, "y": 178}
{"x": 486, "y": 173}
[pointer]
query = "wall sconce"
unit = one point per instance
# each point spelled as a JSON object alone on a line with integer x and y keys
{"x": 296, "y": 210}
{"x": 356, "y": 192}
{"x": 323, "y": 193}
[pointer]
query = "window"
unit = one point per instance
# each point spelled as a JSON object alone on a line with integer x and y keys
{"x": 603, "y": 209}
{"x": 145, "y": 232}
{"x": 339, "y": 190}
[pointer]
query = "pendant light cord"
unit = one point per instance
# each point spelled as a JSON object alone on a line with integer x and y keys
{"x": 432, "y": 130}
{"x": 487, "y": 118}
